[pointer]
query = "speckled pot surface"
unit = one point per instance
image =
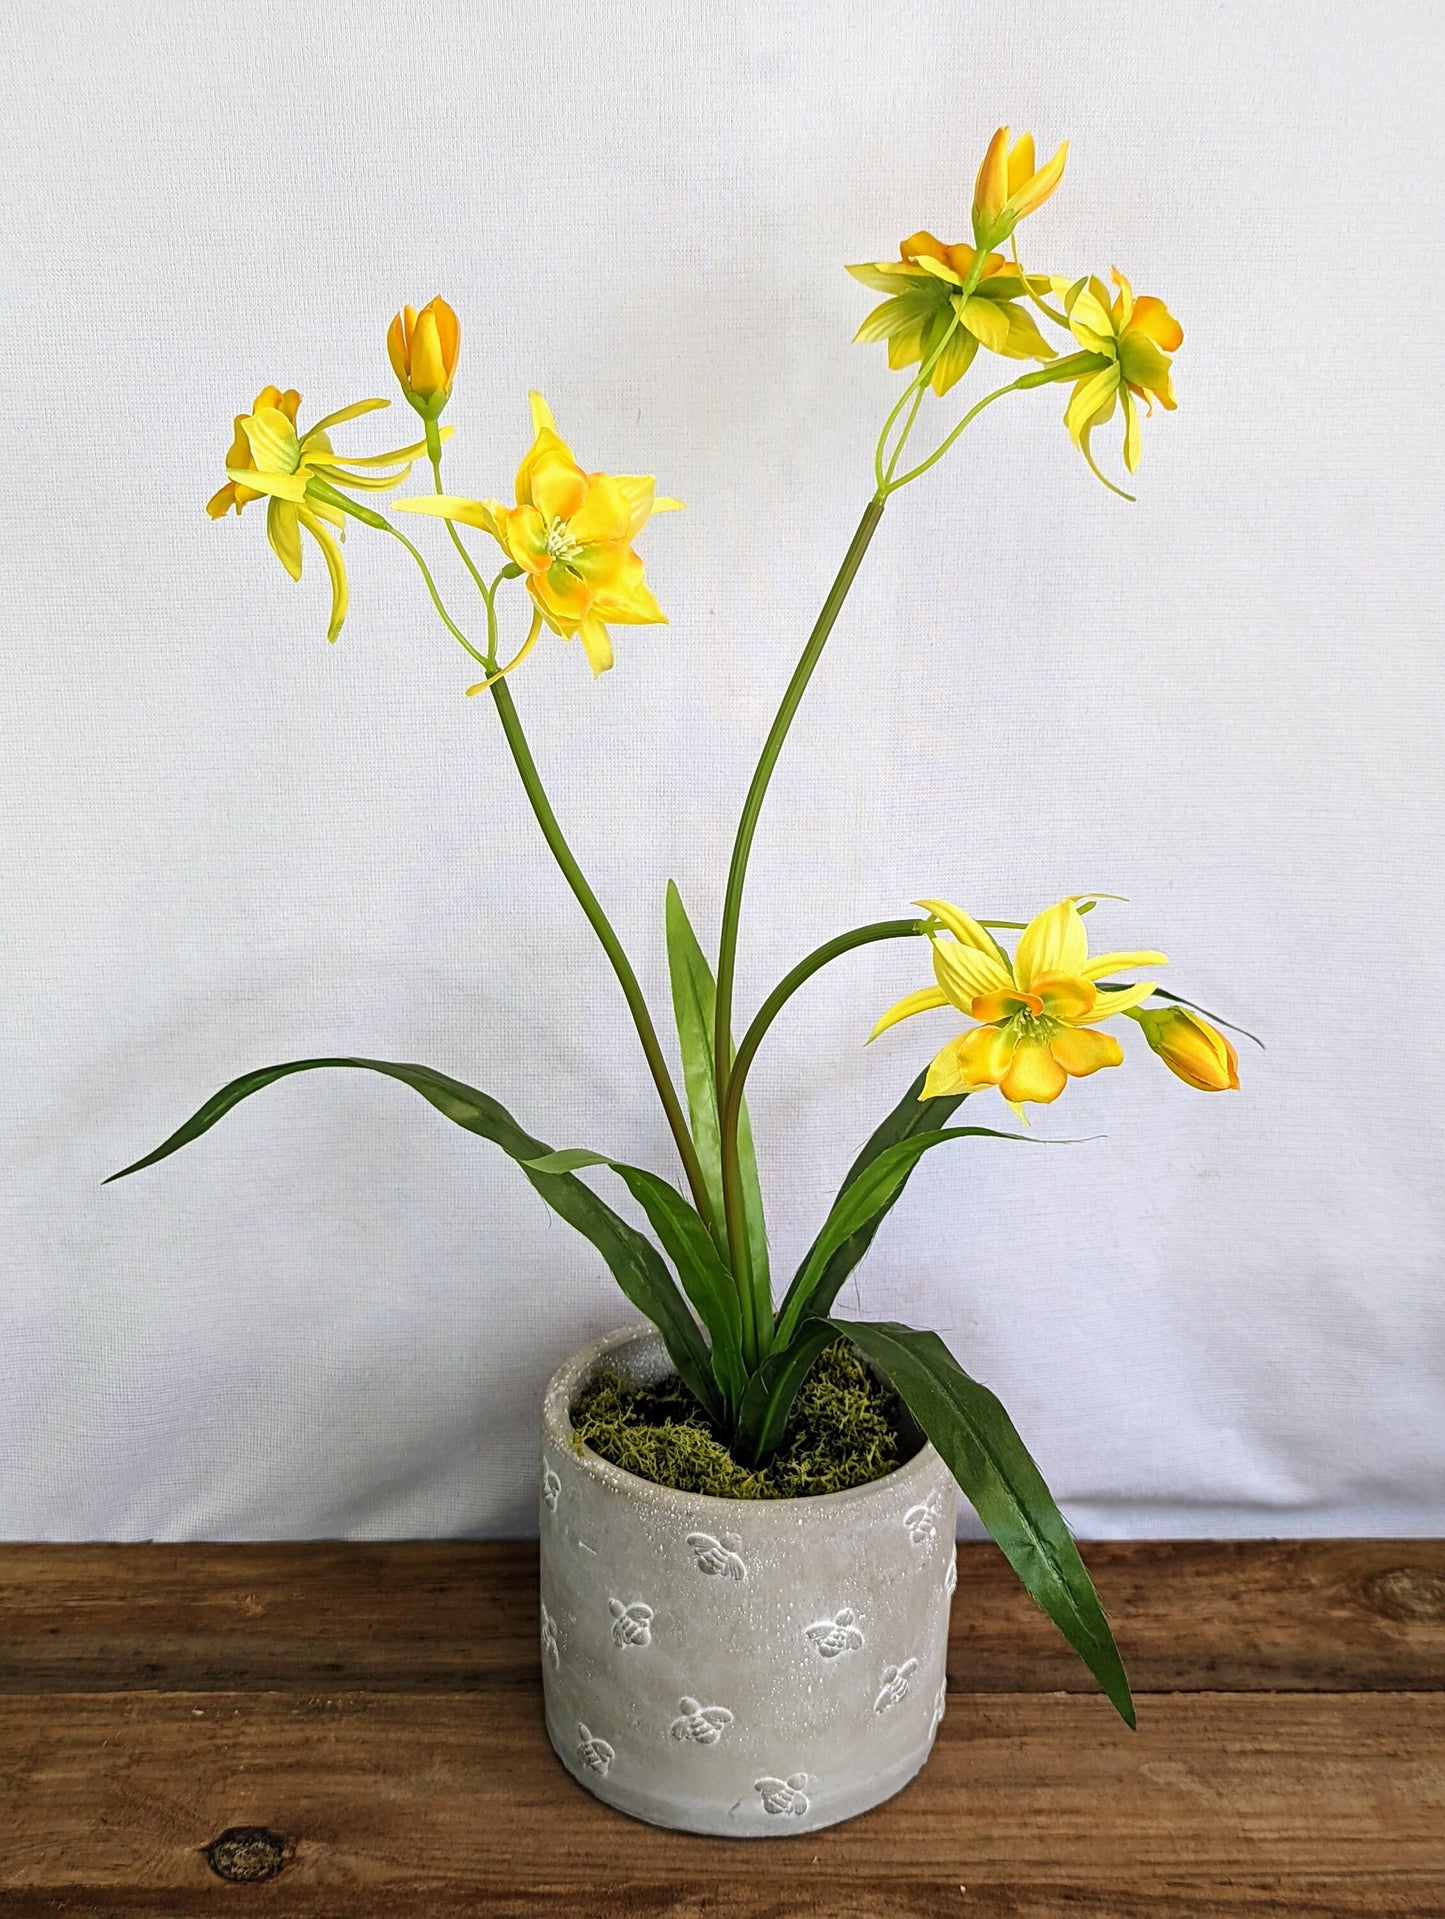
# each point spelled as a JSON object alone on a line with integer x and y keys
{"x": 750, "y": 1668}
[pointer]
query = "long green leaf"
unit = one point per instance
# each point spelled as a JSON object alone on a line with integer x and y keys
{"x": 773, "y": 1388}
{"x": 982, "y": 1449}
{"x": 687, "y": 1243}
{"x": 634, "y": 1261}
{"x": 859, "y": 1204}
{"x": 694, "y": 999}
{"x": 911, "y": 1115}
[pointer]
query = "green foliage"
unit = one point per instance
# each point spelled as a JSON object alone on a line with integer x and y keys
{"x": 843, "y": 1430}
{"x": 863, "y": 1200}
{"x": 981, "y": 1448}
{"x": 694, "y": 1002}
{"x": 687, "y": 1243}
{"x": 632, "y": 1258}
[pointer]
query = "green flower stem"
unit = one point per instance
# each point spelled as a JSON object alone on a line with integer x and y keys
{"x": 742, "y": 846}
{"x": 937, "y": 454}
{"x": 611, "y": 945}
{"x": 434, "y": 454}
{"x": 775, "y": 1002}
{"x": 436, "y": 598}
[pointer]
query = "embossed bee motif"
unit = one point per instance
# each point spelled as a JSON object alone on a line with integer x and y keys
{"x": 895, "y": 1685}
{"x": 549, "y": 1638}
{"x": 631, "y": 1625}
{"x": 551, "y": 1489}
{"x": 950, "y": 1576}
{"x": 940, "y": 1706}
{"x": 594, "y": 1753}
{"x": 703, "y": 1724}
{"x": 921, "y": 1522}
{"x": 784, "y": 1796}
{"x": 830, "y": 1637}
{"x": 719, "y": 1558}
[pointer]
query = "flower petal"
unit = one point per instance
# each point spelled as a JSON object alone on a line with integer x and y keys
{"x": 1054, "y": 941}
{"x": 604, "y": 512}
{"x": 1033, "y": 1074}
{"x": 1152, "y": 317}
{"x": 1065, "y": 995}
{"x": 965, "y": 930}
{"x": 925, "y": 1000}
{"x": 347, "y": 413}
{"x": 1081, "y": 1051}
{"x": 954, "y": 361}
{"x": 558, "y": 487}
{"x": 447, "y": 506}
{"x": 979, "y": 1057}
{"x": 965, "y": 973}
{"x": 283, "y": 530}
{"x": 285, "y": 486}
{"x": 597, "y": 643}
{"x": 987, "y": 322}
{"x": 331, "y": 553}
{"x": 1106, "y": 1004}
{"x": 1114, "y": 962}
{"x": 274, "y": 445}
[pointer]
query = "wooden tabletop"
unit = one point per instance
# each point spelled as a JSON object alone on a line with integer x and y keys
{"x": 359, "y": 1728}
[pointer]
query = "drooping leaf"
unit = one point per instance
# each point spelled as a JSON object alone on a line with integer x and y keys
{"x": 694, "y": 1000}
{"x": 910, "y": 1116}
{"x": 773, "y": 1388}
{"x": 635, "y": 1262}
{"x": 982, "y": 1449}
{"x": 687, "y": 1243}
{"x": 859, "y": 1203}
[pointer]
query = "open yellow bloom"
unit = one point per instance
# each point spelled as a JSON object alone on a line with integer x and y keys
{"x": 269, "y": 457}
{"x": 1008, "y": 187}
{"x": 1190, "y": 1047}
{"x": 1136, "y": 337}
{"x": 571, "y": 534}
{"x": 423, "y": 350}
{"x": 1037, "y": 1011}
{"x": 925, "y": 283}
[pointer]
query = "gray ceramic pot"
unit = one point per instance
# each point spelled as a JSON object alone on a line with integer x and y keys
{"x": 744, "y": 1667}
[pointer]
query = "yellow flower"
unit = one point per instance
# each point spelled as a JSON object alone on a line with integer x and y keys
{"x": 1008, "y": 187}
{"x": 925, "y": 282}
{"x": 1037, "y": 1011}
{"x": 269, "y": 457}
{"x": 1191, "y": 1048}
{"x": 571, "y": 534}
{"x": 1135, "y": 337}
{"x": 423, "y": 351}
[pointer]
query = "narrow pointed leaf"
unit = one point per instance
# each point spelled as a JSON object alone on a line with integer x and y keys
{"x": 875, "y": 1188}
{"x": 911, "y": 1115}
{"x": 774, "y": 1386}
{"x": 982, "y": 1449}
{"x": 688, "y": 1244}
{"x": 634, "y": 1261}
{"x": 694, "y": 997}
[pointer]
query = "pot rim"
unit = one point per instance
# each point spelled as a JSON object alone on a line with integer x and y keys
{"x": 925, "y": 1466}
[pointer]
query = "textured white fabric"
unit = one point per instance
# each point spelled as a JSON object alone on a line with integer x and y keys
{"x": 230, "y": 844}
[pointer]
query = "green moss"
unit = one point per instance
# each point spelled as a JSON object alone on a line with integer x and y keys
{"x": 846, "y": 1428}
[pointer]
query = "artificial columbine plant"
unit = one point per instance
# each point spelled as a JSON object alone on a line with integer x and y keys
{"x": 1037, "y": 1013}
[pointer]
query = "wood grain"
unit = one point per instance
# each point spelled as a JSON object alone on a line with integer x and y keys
{"x": 377, "y": 1707}
{"x": 1274, "y": 1615}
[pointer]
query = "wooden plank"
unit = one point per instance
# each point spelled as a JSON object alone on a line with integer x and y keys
{"x": 451, "y": 1615}
{"x": 431, "y": 1805}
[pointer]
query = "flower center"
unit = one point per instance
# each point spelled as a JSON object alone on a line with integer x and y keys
{"x": 561, "y": 546}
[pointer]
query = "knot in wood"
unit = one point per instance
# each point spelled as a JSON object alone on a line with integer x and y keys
{"x": 246, "y": 1854}
{"x": 1407, "y": 1592}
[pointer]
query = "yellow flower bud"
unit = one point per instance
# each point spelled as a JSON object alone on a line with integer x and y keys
{"x": 423, "y": 351}
{"x": 1191, "y": 1048}
{"x": 1008, "y": 186}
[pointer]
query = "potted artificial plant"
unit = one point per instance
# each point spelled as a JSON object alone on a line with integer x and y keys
{"x": 747, "y": 1504}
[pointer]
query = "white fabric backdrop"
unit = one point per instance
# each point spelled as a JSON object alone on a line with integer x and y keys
{"x": 231, "y": 844}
